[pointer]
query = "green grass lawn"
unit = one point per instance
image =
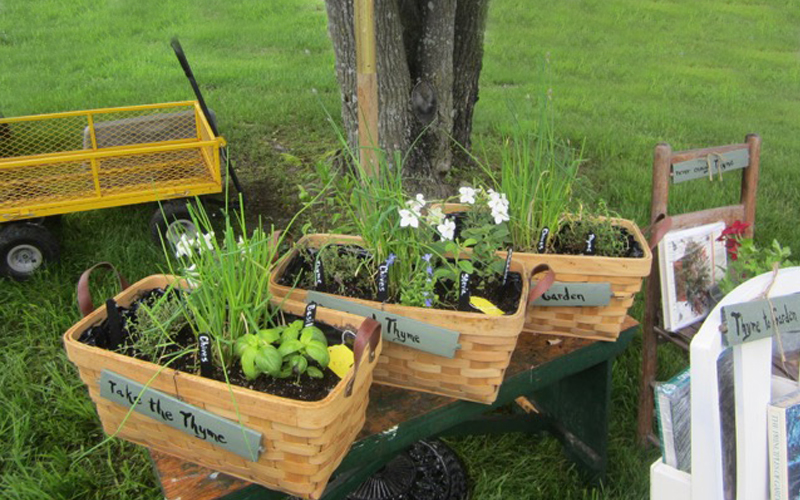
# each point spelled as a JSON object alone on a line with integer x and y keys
{"x": 625, "y": 75}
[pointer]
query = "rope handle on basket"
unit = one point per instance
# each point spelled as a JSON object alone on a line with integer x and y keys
{"x": 369, "y": 333}
{"x": 85, "y": 304}
{"x": 661, "y": 225}
{"x": 544, "y": 284}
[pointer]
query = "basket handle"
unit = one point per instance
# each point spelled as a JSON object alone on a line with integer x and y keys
{"x": 661, "y": 225}
{"x": 369, "y": 333}
{"x": 85, "y": 304}
{"x": 544, "y": 284}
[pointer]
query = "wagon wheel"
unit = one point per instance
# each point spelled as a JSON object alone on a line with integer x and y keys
{"x": 428, "y": 470}
{"x": 24, "y": 248}
{"x": 170, "y": 222}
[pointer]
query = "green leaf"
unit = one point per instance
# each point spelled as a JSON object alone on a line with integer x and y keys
{"x": 310, "y": 333}
{"x": 291, "y": 332}
{"x": 469, "y": 242}
{"x": 269, "y": 360}
{"x": 319, "y": 353}
{"x": 248, "y": 364}
{"x": 270, "y": 335}
{"x": 466, "y": 266}
{"x": 248, "y": 340}
{"x": 299, "y": 363}
{"x": 314, "y": 372}
{"x": 286, "y": 371}
{"x": 290, "y": 346}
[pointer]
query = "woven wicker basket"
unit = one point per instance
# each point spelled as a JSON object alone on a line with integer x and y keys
{"x": 303, "y": 442}
{"x": 599, "y": 323}
{"x": 474, "y": 374}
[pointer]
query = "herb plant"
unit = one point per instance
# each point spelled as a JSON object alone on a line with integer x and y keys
{"x": 537, "y": 173}
{"x": 746, "y": 261}
{"x": 283, "y": 351}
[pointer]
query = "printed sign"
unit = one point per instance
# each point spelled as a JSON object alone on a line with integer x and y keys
{"x": 575, "y": 295}
{"x": 184, "y": 417}
{"x": 698, "y": 168}
{"x": 749, "y": 321}
{"x": 395, "y": 328}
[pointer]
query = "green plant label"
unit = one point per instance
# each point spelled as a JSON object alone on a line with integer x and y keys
{"x": 204, "y": 354}
{"x": 463, "y": 292}
{"x": 575, "y": 295}
{"x": 698, "y": 168}
{"x": 311, "y": 314}
{"x": 749, "y": 321}
{"x": 395, "y": 328}
{"x": 184, "y": 417}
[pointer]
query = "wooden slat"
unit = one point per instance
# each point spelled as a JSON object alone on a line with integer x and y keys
{"x": 693, "y": 154}
{"x": 727, "y": 214}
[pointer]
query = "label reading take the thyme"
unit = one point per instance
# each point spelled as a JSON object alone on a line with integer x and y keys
{"x": 184, "y": 417}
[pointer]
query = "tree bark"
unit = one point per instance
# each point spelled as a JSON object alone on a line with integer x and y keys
{"x": 428, "y": 62}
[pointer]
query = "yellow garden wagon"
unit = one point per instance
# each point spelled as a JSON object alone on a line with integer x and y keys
{"x": 59, "y": 163}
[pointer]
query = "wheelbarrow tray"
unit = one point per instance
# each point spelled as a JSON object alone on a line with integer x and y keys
{"x": 82, "y": 160}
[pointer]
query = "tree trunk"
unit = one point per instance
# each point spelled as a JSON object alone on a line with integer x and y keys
{"x": 428, "y": 63}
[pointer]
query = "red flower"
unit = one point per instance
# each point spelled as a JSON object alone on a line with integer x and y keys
{"x": 732, "y": 236}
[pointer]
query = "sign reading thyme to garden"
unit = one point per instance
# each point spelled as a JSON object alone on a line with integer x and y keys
{"x": 720, "y": 163}
{"x": 756, "y": 320}
{"x": 575, "y": 295}
{"x": 186, "y": 418}
{"x": 395, "y": 328}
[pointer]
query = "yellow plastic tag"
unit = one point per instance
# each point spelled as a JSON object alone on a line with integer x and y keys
{"x": 485, "y": 306}
{"x": 342, "y": 359}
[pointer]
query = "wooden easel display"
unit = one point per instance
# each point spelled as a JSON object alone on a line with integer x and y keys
{"x": 673, "y": 167}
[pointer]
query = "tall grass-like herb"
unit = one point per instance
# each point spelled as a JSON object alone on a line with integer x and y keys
{"x": 537, "y": 173}
{"x": 371, "y": 206}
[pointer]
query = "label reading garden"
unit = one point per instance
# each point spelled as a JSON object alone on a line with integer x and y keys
{"x": 575, "y": 295}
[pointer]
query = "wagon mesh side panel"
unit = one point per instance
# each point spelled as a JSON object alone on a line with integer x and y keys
{"x": 147, "y": 172}
{"x": 45, "y": 183}
{"x": 41, "y": 136}
{"x": 128, "y": 127}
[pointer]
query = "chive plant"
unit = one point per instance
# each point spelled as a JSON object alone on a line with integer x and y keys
{"x": 537, "y": 173}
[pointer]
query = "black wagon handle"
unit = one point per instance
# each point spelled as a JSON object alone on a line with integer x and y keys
{"x": 187, "y": 70}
